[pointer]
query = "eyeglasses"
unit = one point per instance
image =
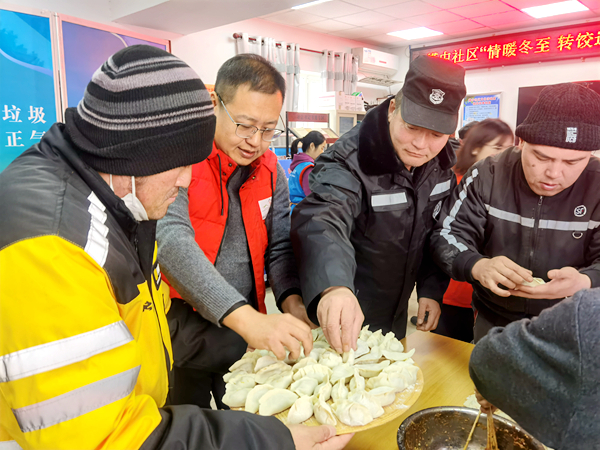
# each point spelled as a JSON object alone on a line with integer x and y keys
{"x": 246, "y": 131}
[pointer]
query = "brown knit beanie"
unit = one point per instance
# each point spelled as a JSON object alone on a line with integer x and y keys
{"x": 565, "y": 115}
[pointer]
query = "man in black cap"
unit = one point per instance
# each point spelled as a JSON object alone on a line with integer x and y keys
{"x": 376, "y": 194}
{"x": 85, "y": 352}
{"x": 530, "y": 211}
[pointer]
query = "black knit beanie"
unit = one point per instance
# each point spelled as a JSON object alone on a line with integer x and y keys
{"x": 144, "y": 112}
{"x": 565, "y": 115}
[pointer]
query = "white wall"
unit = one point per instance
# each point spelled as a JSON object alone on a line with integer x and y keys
{"x": 205, "y": 51}
{"x": 509, "y": 79}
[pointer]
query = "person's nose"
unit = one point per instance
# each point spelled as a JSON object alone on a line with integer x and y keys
{"x": 553, "y": 170}
{"x": 420, "y": 141}
{"x": 185, "y": 177}
{"x": 255, "y": 139}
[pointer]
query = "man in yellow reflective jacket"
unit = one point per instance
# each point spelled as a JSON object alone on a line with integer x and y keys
{"x": 85, "y": 350}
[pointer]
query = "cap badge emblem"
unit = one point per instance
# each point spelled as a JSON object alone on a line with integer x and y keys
{"x": 571, "y": 134}
{"x": 437, "y": 96}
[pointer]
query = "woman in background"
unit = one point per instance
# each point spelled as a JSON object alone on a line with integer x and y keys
{"x": 303, "y": 163}
{"x": 489, "y": 137}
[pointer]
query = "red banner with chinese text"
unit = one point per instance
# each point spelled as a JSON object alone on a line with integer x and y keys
{"x": 550, "y": 44}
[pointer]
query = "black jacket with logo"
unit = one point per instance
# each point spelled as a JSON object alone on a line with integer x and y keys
{"x": 494, "y": 212}
{"x": 366, "y": 223}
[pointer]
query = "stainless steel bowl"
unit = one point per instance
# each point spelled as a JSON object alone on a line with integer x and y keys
{"x": 448, "y": 427}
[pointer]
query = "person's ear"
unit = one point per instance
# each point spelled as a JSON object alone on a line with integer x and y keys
{"x": 214, "y": 98}
{"x": 311, "y": 147}
{"x": 520, "y": 144}
{"x": 391, "y": 109}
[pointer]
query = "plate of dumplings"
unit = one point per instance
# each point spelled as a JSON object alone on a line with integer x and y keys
{"x": 355, "y": 391}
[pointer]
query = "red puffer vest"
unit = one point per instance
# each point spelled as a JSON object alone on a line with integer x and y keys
{"x": 209, "y": 206}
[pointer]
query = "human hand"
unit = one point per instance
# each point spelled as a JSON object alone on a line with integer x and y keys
{"x": 563, "y": 283}
{"x": 294, "y": 305}
{"x": 492, "y": 271}
{"x": 485, "y": 405}
{"x": 318, "y": 438}
{"x": 274, "y": 332}
{"x": 428, "y": 305}
{"x": 339, "y": 308}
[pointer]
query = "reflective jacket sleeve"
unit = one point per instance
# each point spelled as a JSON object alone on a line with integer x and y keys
{"x": 459, "y": 233}
{"x": 188, "y": 427}
{"x": 69, "y": 365}
{"x": 321, "y": 228}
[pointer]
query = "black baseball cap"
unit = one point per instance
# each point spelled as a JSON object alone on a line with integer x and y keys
{"x": 432, "y": 93}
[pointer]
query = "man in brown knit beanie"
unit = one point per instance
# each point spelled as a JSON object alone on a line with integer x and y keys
{"x": 532, "y": 211}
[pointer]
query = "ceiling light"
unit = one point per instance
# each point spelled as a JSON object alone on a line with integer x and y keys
{"x": 415, "y": 33}
{"x": 306, "y": 5}
{"x": 555, "y": 9}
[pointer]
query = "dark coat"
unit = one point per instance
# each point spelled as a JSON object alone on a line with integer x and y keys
{"x": 366, "y": 224}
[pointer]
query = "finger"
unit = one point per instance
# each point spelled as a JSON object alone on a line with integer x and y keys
{"x": 335, "y": 443}
{"x": 332, "y": 327}
{"x": 292, "y": 344}
{"x": 278, "y": 350}
{"x": 519, "y": 271}
{"x": 348, "y": 319}
{"x": 492, "y": 286}
{"x": 421, "y": 314}
{"x": 322, "y": 433}
{"x": 358, "y": 322}
{"x": 434, "y": 318}
{"x": 302, "y": 333}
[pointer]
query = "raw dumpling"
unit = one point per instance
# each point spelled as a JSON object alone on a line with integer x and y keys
{"x": 361, "y": 349}
{"x": 339, "y": 391}
{"x": 323, "y": 391}
{"x": 234, "y": 398}
{"x": 304, "y": 386}
{"x": 371, "y": 370}
{"x": 365, "y": 333}
{"x": 393, "y": 380}
{"x": 321, "y": 344}
{"x": 316, "y": 371}
{"x": 316, "y": 353}
{"x": 367, "y": 400}
{"x": 375, "y": 339}
{"x": 275, "y": 401}
{"x": 341, "y": 371}
{"x": 304, "y": 362}
{"x": 534, "y": 283}
{"x": 265, "y": 373}
{"x": 317, "y": 334}
{"x": 373, "y": 356}
{"x": 280, "y": 380}
{"x": 245, "y": 364}
{"x": 395, "y": 346}
{"x": 232, "y": 375}
{"x": 351, "y": 413}
{"x": 301, "y": 410}
{"x": 330, "y": 359}
{"x": 383, "y": 395}
{"x": 241, "y": 381}
{"x": 387, "y": 339}
{"x": 254, "y": 396}
{"x": 357, "y": 383}
{"x": 324, "y": 414}
{"x": 348, "y": 357}
{"x": 264, "y": 361}
{"x": 404, "y": 369}
{"x": 397, "y": 356}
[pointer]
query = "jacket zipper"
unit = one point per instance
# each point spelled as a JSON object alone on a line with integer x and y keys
{"x": 226, "y": 220}
{"x": 536, "y": 226}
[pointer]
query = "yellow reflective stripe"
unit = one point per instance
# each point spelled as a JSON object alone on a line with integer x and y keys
{"x": 76, "y": 402}
{"x": 10, "y": 445}
{"x": 53, "y": 355}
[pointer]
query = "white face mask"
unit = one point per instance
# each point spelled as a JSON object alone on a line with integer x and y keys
{"x": 132, "y": 202}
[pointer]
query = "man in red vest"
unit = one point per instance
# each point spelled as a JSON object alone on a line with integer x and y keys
{"x": 223, "y": 232}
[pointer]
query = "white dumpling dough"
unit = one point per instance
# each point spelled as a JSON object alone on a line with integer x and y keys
{"x": 254, "y": 396}
{"x": 275, "y": 401}
{"x": 324, "y": 414}
{"x": 301, "y": 410}
{"x": 351, "y": 413}
{"x": 304, "y": 386}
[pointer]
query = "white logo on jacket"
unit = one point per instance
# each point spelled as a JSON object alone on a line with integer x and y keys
{"x": 437, "y": 96}
{"x": 580, "y": 211}
{"x": 437, "y": 209}
{"x": 264, "y": 206}
{"x": 571, "y": 134}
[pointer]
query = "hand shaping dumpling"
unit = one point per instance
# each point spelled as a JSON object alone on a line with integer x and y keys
{"x": 304, "y": 386}
{"x": 324, "y": 414}
{"x": 275, "y": 401}
{"x": 254, "y": 396}
{"x": 351, "y": 413}
{"x": 301, "y": 410}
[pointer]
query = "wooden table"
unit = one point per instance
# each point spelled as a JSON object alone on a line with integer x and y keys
{"x": 445, "y": 366}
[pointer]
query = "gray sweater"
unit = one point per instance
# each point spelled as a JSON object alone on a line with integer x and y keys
{"x": 212, "y": 291}
{"x": 545, "y": 372}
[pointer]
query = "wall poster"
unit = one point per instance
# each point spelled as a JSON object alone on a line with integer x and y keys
{"x": 480, "y": 107}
